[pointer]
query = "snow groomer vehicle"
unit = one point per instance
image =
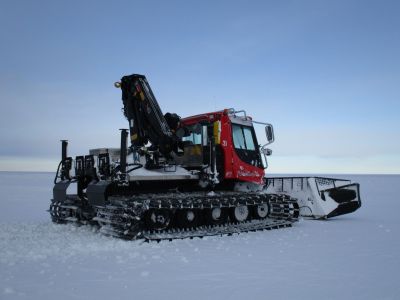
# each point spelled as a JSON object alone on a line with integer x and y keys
{"x": 187, "y": 177}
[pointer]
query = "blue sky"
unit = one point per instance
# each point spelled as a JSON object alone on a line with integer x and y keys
{"x": 325, "y": 73}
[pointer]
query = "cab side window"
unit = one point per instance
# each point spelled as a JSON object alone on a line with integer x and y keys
{"x": 195, "y": 138}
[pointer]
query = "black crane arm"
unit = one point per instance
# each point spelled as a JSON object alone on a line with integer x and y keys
{"x": 146, "y": 121}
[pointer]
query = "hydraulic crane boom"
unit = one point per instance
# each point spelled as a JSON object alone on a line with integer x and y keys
{"x": 146, "y": 121}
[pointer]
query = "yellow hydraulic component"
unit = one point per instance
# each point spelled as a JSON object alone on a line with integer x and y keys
{"x": 217, "y": 132}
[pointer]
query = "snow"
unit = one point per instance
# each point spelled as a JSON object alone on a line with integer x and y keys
{"x": 354, "y": 256}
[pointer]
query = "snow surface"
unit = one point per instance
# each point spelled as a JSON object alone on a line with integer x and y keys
{"x": 355, "y": 256}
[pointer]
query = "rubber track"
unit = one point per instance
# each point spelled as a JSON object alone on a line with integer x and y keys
{"x": 71, "y": 211}
{"x": 123, "y": 217}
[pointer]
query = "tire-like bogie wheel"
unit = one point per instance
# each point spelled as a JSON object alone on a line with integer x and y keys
{"x": 240, "y": 213}
{"x": 260, "y": 211}
{"x": 157, "y": 219}
{"x": 216, "y": 215}
{"x": 188, "y": 218}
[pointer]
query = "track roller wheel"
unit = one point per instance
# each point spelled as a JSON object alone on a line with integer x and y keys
{"x": 187, "y": 218}
{"x": 240, "y": 213}
{"x": 158, "y": 219}
{"x": 261, "y": 211}
{"x": 216, "y": 215}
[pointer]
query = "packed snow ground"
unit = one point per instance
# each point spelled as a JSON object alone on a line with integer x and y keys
{"x": 355, "y": 256}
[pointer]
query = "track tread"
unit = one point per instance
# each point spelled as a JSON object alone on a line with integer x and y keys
{"x": 125, "y": 211}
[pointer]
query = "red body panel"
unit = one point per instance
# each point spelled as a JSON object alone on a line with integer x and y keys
{"x": 235, "y": 168}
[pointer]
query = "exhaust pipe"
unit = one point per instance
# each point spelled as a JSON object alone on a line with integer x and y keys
{"x": 64, "y": 146}
{"x": 65, "y": 163}
{"x": 122, "y": 160}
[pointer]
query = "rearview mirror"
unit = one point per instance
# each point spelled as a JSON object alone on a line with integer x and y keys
{"x": 269, "y": 132}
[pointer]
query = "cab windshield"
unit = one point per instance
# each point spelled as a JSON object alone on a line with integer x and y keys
{"x": 243, "y": 137}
